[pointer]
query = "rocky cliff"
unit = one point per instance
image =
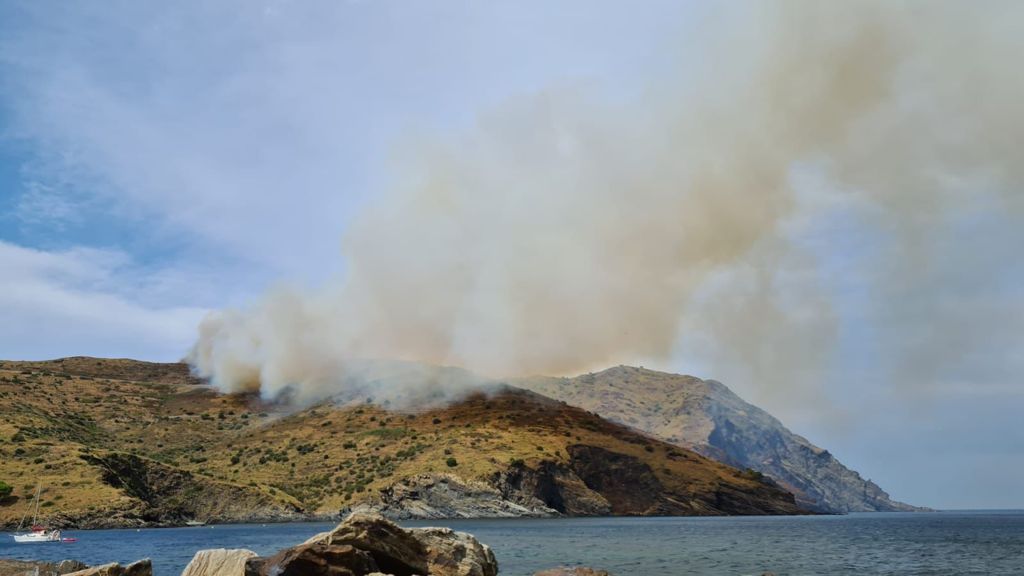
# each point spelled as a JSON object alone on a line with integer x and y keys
{"x": 707, "y": 417}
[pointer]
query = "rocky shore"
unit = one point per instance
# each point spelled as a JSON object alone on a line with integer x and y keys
{"x": 73, "y": 568}
{"x": 36, "y": 568}
{"x": 364, "y": 544}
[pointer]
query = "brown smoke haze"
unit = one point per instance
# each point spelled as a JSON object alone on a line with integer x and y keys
{"x": 567, "y": 231}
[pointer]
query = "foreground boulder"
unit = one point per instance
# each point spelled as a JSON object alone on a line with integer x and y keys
{"x": 140, "y": 568}
{"x": 366, "y": 544}
{"x": 395, "y": 550}
{"x": 316, "y": 559}
{"x": 219, "y": 562}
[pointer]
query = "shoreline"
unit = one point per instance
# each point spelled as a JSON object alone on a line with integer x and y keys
{"x": 341, "y": 517}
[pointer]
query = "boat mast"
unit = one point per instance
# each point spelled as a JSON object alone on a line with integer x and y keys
{"x": 35, "y": 515}
{"x": 23, "y": 516}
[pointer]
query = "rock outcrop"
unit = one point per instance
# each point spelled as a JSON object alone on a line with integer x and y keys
{"x": 707, "y": 417}
{"x": 552, "y": 486}
{"x": 219, "y": 562}
{"x": 450, "y": 496}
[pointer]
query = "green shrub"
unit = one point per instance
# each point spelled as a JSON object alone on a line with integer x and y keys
{"x": 751, "y": 474}
{"x": 5, "y": 489}
{"x": 451, "y": 462}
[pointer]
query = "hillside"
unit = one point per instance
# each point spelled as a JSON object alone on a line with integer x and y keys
{"x": 707, "y": 417}
{"x": 126, "y": 443}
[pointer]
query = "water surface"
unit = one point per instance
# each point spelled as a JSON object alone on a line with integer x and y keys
{"x": 960, "y": 543}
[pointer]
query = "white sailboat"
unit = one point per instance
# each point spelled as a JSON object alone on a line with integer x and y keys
{"x": 38, "y": 533}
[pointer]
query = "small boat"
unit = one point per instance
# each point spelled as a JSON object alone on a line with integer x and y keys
{"x": 38, "y": 533}
{"x": 195, "y": 523}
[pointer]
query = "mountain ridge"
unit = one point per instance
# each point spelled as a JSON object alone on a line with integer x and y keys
{"x": 709, "y": 418}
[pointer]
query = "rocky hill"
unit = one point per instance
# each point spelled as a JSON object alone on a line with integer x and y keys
{"x": 126, "y": 443}
{"x": 707, "y": 417}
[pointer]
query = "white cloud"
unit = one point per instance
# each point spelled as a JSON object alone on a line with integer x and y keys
{"x": 81, "y": 302}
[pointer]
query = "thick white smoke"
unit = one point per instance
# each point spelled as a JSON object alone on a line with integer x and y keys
{"x": 565, "y": 232}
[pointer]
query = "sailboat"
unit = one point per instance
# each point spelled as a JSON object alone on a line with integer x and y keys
{"x": 38, "y": 533}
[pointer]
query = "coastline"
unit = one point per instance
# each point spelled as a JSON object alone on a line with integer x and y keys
{"x": 328, "y": 518}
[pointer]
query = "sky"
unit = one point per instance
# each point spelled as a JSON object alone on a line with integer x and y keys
{"x": 159, "y": 161}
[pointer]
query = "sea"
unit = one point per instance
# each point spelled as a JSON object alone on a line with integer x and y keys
{"x": 934, "y": 543}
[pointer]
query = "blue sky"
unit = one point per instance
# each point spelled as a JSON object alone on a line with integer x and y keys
{"x": 161, "y": 161}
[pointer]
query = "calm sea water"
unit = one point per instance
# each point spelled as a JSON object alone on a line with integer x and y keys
{"x": 983, "y": 543}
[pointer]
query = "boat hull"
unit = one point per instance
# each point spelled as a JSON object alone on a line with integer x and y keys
{"x": 37, "y": 537}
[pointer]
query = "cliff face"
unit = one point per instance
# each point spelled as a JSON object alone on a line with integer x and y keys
{"x": 123, "y": 443}
{"x": 707, "y": 417}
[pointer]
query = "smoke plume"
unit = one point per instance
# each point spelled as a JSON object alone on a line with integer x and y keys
{"x": 568, "y": 231}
